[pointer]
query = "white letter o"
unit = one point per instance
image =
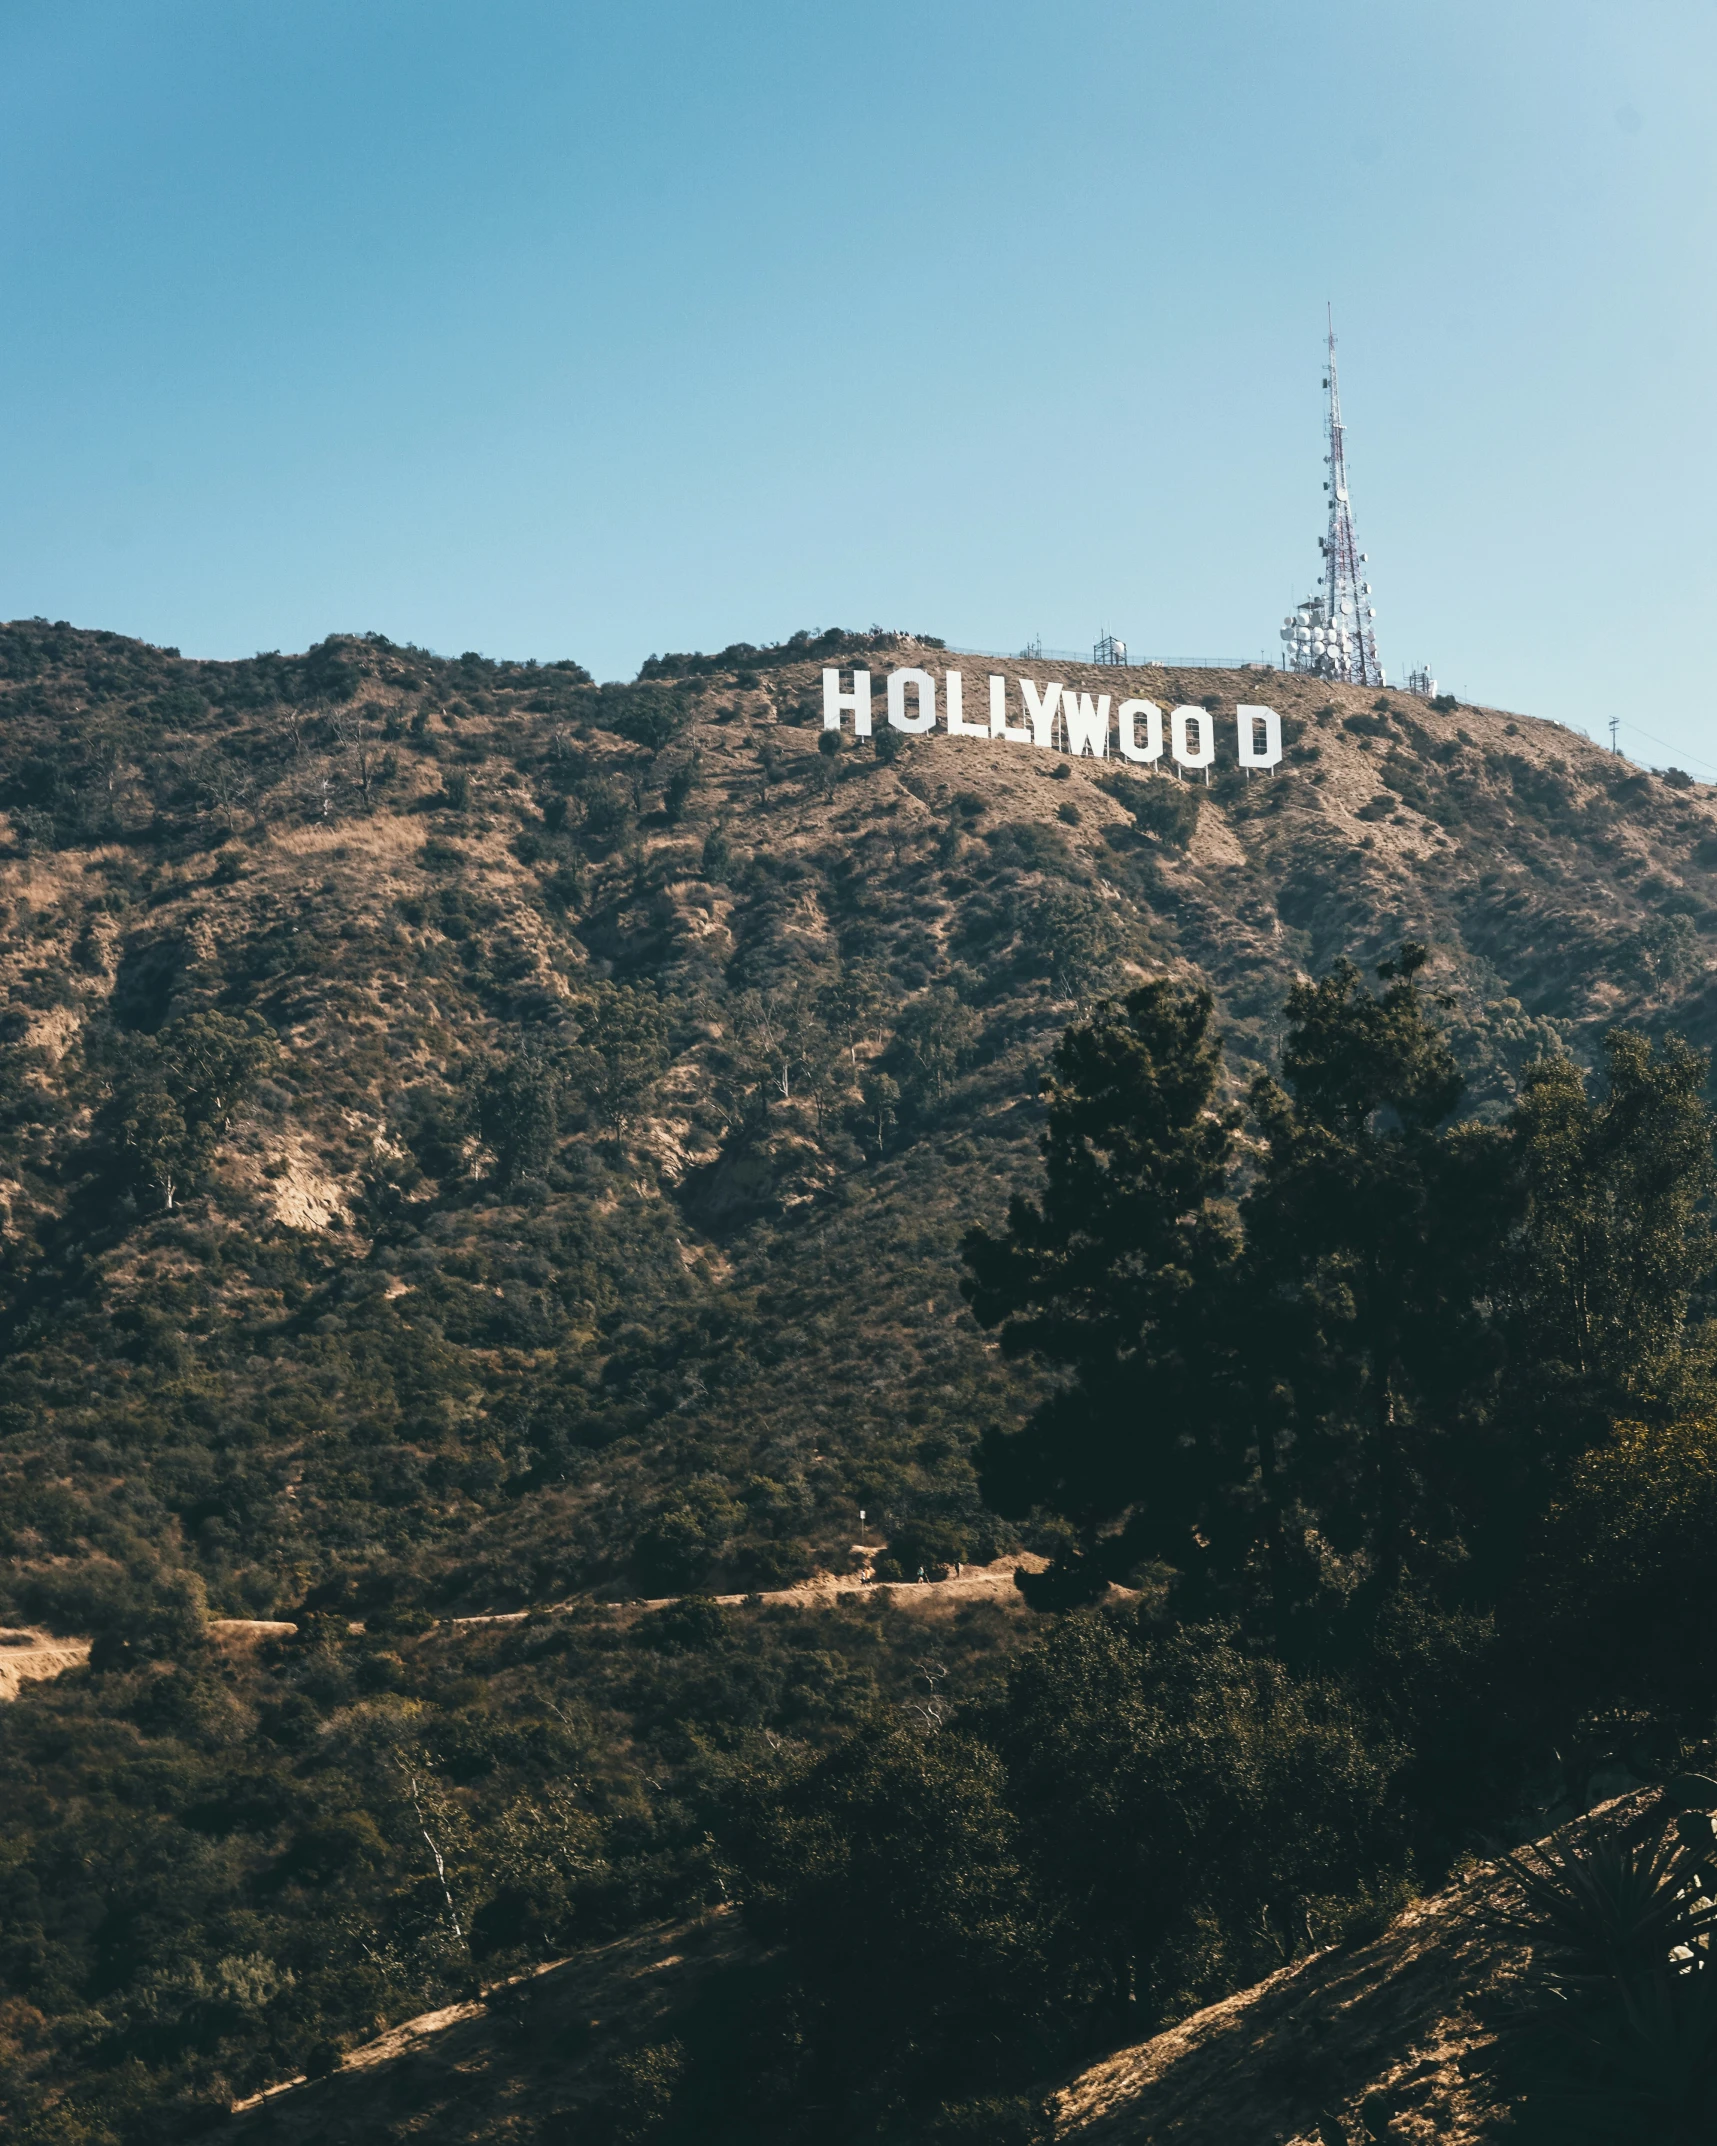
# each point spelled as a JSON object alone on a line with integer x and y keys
{"x": 1180, "y": 723}
{"x": 925, "y": 719}
{"x": 1128, "y": 719}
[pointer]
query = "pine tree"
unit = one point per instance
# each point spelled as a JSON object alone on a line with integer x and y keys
{"x": 1616, "y": 1233}
{"x": 1113, "y": 1276}
{"x": 1372, "y": 1233}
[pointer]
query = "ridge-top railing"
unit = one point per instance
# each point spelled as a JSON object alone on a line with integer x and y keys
{"x": 1151, "y": 663}
{"x": 1133, "y": 663}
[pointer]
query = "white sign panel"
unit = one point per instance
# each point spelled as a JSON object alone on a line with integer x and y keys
{"x": 1054, "y": 718}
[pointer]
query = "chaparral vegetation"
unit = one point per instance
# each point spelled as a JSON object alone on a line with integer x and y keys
{"x": 480, "y": 1144}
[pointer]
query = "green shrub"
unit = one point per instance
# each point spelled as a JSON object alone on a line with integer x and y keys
{"x": 931, "y": 1546}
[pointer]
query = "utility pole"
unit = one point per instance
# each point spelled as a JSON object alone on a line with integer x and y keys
{"x": 1615, "y": 725}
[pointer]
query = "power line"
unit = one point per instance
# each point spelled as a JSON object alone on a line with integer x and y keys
{"x": 1635, "y": 731}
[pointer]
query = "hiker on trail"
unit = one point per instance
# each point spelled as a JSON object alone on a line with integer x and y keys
{"x": 921, "y": 1574}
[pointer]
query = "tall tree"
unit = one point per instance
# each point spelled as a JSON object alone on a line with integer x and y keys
{"x": 1616, "y": 1232}
{"x": 1372, "y": 1230}
{"x": 515, "y": 1111}
{"x": 179, "y": 1092}
{"x": 889, "y": 1871}
{"x": 1280, "y": 1405}
{"x": 852, "y": 1005}
{"x": 934, "y": 1037}
{"x": 621, "y": 1051}
{"x": 1384, "y": 1371}
{"x": 1111, "y": 1276}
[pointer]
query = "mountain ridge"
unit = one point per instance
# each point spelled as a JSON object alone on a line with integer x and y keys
{"x": 472, "y": 1137}
{"x": 399, "y": 909}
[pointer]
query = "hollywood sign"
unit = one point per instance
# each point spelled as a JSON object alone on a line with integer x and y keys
{"x": 1083, "y": 720}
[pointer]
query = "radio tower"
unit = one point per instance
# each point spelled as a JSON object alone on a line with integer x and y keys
{"x": 1332, "y": 633}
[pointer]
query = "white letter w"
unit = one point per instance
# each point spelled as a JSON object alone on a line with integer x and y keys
{"x": 1087, "y": 726}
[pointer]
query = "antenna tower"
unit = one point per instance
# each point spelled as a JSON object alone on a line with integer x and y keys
{"x": 1332, "y": 633}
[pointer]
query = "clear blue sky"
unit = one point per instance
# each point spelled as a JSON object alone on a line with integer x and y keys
{"x": 576, "y": 330}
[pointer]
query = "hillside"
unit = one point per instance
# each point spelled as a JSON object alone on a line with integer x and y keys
{"x": 1414, "y": 2035}
{"x": 1410, "y": 2035}
{"x": 478, "y": 1139}
{"x": 496, "y": 1366}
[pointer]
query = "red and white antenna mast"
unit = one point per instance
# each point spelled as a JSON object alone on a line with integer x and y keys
{"x": 1332, "y": 634}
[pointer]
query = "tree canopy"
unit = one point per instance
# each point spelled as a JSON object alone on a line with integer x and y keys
{"x": 1355, "y": 1338}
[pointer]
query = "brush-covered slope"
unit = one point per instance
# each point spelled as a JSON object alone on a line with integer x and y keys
{"x": 1424, "y": 2031}
{"x": 473, "y": 1135}
{"x": 475, "y": 1138}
